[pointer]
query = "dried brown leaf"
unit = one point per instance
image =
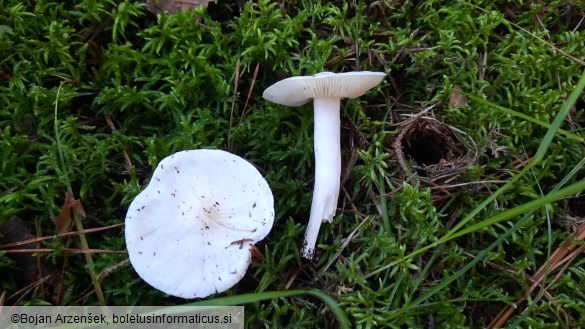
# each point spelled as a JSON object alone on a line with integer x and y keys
{"x": 457, "y": 98}
{"x": 63, "y": 220}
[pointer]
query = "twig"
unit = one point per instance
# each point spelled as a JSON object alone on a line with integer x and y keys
{"x": 236, "y": 82}
{"x": 127, "y": 162}
{"x": 73, "y": 233}
{"x": 250, "y": 92}
{"x": 27, "y": 289}
{"x": 108, "y": 270}
{"x": 469, "y": 183}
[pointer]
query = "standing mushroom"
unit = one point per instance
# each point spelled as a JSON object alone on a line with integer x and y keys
{"x": 326, "y": 89}
{"x": 189, "y": 232}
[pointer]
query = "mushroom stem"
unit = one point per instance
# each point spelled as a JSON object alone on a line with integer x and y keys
{"x": 327, "y": 169}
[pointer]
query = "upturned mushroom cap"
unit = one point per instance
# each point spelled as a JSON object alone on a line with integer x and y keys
{"x": 296, "y": 91}
{"x": 189, "y": 232}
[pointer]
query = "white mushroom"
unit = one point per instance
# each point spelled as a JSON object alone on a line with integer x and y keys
{"x": 189, "y": 232}
{"x": 326, "y": 89}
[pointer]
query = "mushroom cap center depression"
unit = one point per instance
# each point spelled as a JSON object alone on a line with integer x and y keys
{"x": 210, "y": 212}
{"x": 213, "y": 217}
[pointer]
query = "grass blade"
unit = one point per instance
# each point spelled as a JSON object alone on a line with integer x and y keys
{"x": 528, "y": 118}
{"x": 267, "y": 295}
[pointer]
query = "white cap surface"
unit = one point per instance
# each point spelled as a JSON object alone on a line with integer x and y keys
{"x": 296, "y": 91}
{"x": 189, "y": 232}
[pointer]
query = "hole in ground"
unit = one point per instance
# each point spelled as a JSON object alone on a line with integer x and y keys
{"x": 428, "y": 143}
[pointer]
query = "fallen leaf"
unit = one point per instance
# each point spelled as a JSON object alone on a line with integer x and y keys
{"x": 63, "y": 220}
{"x": 457, "y": 98}
{"x": 256, "y": 253}
{"x": 173, "y": 6}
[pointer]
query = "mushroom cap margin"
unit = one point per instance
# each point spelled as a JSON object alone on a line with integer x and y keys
{"x": 297, "y": 91}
